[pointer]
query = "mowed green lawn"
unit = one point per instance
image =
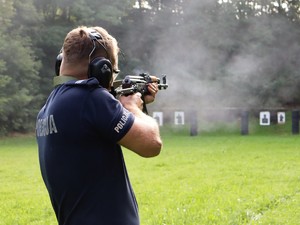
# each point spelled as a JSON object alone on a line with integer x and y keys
{"x": 206, "y": 179}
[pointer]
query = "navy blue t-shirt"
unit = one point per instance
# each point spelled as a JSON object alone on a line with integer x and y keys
{"x": 81, "y": 163}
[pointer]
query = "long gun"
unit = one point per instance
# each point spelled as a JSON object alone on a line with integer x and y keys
{"x": 138, "y": 83}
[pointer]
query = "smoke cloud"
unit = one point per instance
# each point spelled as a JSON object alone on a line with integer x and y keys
{"x": 203, "y": 74}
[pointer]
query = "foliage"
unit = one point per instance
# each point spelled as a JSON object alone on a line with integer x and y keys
{"x": 244, "y": 50}
{"x": 19, "y": 75}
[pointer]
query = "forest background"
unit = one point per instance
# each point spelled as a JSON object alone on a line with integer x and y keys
{"x": 225, "y": 53}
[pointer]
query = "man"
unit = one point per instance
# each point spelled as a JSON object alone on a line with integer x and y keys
{"x": 80, "y": 131}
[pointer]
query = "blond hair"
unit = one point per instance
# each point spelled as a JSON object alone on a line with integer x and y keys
{"x": 78, "y": 46}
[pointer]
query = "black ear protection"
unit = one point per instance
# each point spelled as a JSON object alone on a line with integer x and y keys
{"x": 58, "y": 63}
{"x": 99, "y": 67}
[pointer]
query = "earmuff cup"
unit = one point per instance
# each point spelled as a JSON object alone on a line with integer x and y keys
{"x": 101, "y": 69}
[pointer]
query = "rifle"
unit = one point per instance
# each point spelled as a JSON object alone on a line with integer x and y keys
{"x": 138, "y": 83}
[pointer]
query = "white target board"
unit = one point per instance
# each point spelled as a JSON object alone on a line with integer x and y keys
{"x": 179, "y": 118}
{"x": 264, "y": 118}
{"x": 158, "y": 116}
{"x": 281, "y": 117}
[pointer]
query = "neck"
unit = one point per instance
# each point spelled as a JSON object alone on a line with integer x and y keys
{"x": 62, "y": 79}
{"x": 79, "y": 71}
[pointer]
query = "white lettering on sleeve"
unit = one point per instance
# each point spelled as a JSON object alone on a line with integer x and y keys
{"x": 122, "y": 121}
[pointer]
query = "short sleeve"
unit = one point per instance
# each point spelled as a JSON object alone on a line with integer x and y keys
{"x": 107, "y": 115}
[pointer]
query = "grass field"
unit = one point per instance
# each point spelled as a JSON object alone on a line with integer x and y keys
{"x": 206, "y": 179}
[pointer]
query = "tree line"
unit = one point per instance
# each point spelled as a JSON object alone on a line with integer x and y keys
{"x": 247, "y": 47}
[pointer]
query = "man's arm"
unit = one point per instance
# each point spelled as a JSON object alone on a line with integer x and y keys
{"x": 143, "y": 137}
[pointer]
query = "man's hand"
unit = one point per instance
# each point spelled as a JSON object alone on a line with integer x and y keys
{"x": 132, "y": 102}
{"x": 153, "y": 89}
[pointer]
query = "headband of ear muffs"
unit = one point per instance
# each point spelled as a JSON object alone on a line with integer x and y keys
{"x": 99, "y": 67}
